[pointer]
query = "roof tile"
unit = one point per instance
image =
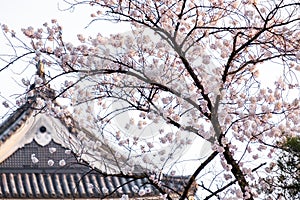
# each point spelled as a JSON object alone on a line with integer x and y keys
{"x": 58, "y": 186}
{"x": 28, "y": 185}
{"x": 13, "y": 185}
{"x": 65, "y": 185}
{"x": 21, "y": 178}
{"x": 21, "y": 185}
{"x": 4, "y": 181}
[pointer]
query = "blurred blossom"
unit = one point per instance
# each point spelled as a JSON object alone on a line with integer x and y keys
{"x": 105, "y": 190}
{"x": 255, "y": 156}
{"x": 135, "y": 188}
{"x": 142, "y": 192}
{"x": 38, "y": 80}
{"x": 227, "y": 176}
{"x": 25, "y": 82}
{"x": 90, "y": 186}
{"x": 5, "y": 104}
{"x": 50, "y": 162}
{"x": 148, "y": 190}
{"x": 68, "y": 151}
{"x": 173, "y": 172}
{"x": 62, "y": 162}
{"x": 152, "y": 177}
{"x": 164, "y": 196}
{"x": 34, "y": 159}
{"x": 298, "y": 55}
{"x": 5, "y": 28}
{"x": 52, "y": 150}
{"x": 124, "y": 197}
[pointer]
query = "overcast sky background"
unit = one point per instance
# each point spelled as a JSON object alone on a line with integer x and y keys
{"x": 19, "y": 14}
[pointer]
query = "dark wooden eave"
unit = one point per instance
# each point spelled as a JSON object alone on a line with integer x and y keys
{"x": 15, "y": 120}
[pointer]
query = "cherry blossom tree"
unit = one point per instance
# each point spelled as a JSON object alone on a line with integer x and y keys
{"x": 188, "y": 69}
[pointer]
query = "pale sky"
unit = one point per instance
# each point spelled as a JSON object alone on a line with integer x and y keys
{"x": 19, "y": 14}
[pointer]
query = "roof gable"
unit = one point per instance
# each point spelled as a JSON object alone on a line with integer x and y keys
{"x": 36, "y": 158}
{"x": 30, "y": 127}
{"x": 35, "y": 162}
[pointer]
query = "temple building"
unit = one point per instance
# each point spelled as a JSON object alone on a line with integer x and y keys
{"x": 38, "y": 161}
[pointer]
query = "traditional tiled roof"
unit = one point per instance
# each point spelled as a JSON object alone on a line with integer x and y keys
{"x": 20, "y": 115}
{"x": 64, "y": 176}
{"x": 64, "y": 185}
{"x": 73, "y": 185}
{"x": 21, "y": 178}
